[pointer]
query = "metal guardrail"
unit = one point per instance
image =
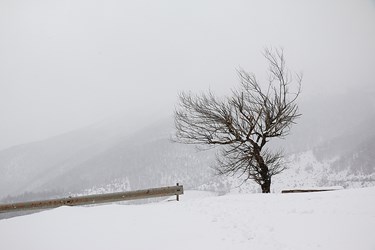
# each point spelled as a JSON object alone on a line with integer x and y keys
{"x": 94, "y": 199}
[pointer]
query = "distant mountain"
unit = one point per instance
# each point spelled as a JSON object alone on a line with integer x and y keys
{"x": 147, "y": 158}
{"x": 28, "y": 166}
{"x": 100, "y": 155}
{"x": 109, "y": 157}
{"x": 347, "y": 160}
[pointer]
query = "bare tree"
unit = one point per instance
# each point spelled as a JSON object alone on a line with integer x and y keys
{"x": 244, "y": 122}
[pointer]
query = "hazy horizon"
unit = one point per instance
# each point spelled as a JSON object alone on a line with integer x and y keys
{"x": 66, "y": 65}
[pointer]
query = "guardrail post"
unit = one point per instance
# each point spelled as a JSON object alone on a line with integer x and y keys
{"x": 177, "y": 195}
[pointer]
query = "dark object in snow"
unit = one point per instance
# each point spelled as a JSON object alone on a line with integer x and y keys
{"x": 308, "y": 190}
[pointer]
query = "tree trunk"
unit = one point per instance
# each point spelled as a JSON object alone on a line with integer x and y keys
{"x": 266, "y": 186}
{"x": 264, "y": 173}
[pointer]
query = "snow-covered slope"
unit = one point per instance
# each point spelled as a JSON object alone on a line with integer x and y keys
{"x": 342, "y": 220}
{"x": 103, "y": 158}
{"x": 25, "y": 168}
{"x": 99, "y": 157}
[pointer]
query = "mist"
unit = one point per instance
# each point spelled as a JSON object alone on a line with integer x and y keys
{"x": 69, "y": 64}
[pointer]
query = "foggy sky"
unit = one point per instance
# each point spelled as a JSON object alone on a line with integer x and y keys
{"x": 68, "y": 64}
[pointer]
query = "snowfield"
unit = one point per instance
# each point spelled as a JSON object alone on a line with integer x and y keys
{"x": 343, "y": 219}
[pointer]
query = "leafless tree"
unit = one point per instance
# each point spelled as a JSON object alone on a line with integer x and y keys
{"x": 243, "y": 123}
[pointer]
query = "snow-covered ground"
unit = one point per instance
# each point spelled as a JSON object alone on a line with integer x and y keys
{"x": 343, "y": 219}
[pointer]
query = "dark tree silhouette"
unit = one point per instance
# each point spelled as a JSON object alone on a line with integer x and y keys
{"x": 244, "y": 122}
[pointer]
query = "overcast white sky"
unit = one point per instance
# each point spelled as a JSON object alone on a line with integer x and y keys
{"x": 67, "y": 64}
